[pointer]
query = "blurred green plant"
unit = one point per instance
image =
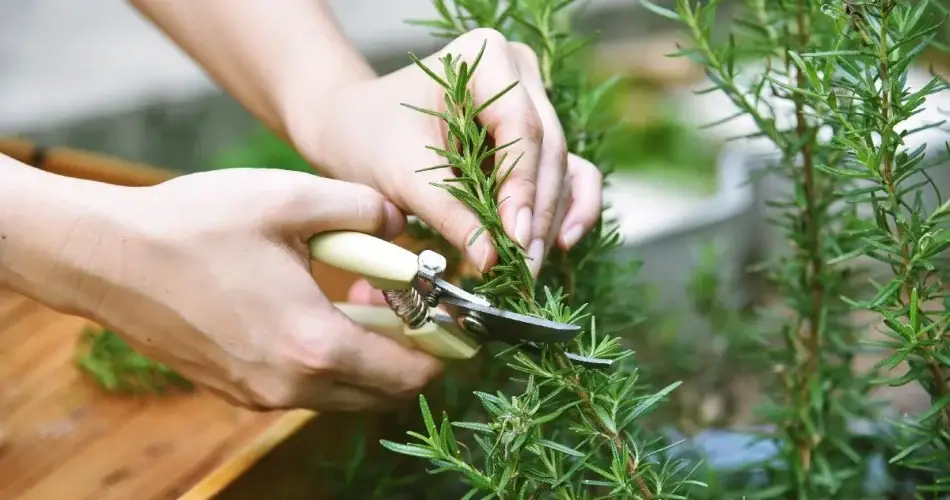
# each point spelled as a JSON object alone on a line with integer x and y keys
{"x": 262, "y": 149}
{"x": 841, "y": 67}
{"x": 109, "y": 361}
{"x": 661, "y": 146}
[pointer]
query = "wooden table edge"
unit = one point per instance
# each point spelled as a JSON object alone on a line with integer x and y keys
{"x": 238, "y": 463}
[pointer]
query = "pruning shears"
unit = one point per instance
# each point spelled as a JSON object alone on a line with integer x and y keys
{"x": 424, "y": 310}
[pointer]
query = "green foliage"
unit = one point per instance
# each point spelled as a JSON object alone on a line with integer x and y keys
{"x": 108, "y": 360}
{"x": 649, "y": 139}
{"x": 665, "y": 148}
{"x": 263, "y": 149}
{"x": 561, "y": 430}
{"x": 841, "y": 66}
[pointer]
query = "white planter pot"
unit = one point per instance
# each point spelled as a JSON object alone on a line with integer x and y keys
{"x": 668, "y": 229}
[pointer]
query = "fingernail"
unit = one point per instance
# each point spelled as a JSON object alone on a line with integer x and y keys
{"x": 572, "y": 236}
{"x": 395, "y": 221}
{"x": 479, "y": 251}
{"x": 523, "y": 226}
{"x": 535, "y": 256}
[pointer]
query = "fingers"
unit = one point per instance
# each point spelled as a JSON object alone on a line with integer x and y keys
{"x": 278, "y": 392}
{"x": 512, "y": 118}
{"x": 552, "y": 167}
{"x": 586, "y": 199}
{"x": 363, "y": 293}
{"x": 449, "y": 216}
{"x": 341, "y": 396}
{"x": 372, "y": 361}
{"x": 319, "y": 204}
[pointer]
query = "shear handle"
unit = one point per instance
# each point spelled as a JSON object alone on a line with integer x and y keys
{"x": 385, "y": 265}
{"x": 434, "y": 337}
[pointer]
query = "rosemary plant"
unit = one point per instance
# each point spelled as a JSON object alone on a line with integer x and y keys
{"x": 569, "y": 431}
{"x": 878, "y": 43}
{"x": 841, "y": 67}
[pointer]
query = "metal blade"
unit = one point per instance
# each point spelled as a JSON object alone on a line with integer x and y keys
{"x": 593, "y": 363}
{"x": 511, "y": 327}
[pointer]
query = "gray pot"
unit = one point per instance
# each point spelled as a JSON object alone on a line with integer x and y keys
{"x": 669, "y": 229}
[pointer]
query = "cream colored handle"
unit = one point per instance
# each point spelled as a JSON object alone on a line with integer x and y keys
{"x": 385, "y": 265}
{"x": 430, "y": 338}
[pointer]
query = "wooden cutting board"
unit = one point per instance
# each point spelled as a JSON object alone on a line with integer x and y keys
{"x": 66, "y": 439}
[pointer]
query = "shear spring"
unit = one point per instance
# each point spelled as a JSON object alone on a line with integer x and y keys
{"x": 409, "y": 305}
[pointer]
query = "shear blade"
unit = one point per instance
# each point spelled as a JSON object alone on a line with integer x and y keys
{"x": 513, "y": 328}
{"x": 587, "y": 361}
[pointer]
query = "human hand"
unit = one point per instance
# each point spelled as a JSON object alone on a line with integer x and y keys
{"x": 210, "y": 274}
{"x": 360, "y": 133}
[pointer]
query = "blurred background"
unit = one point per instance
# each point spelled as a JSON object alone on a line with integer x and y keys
{"x": 94, "y": 75}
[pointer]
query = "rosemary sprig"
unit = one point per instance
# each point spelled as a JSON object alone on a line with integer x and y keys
{"x": 570, "y": 432}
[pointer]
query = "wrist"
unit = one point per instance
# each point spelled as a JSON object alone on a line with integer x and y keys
{"x": 314, "y": 69}
{"x": 319, "y": 127}
{"x": 51, "y": 230}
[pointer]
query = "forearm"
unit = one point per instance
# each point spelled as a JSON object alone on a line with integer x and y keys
{"x": 261, "y": 51}
{"x": 41, "y": 215}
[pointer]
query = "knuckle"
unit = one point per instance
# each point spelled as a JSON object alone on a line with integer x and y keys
{"x": 489, "y": 36}
{"x": 556, "y": 146}
{"x": 417, "y": 381}
{"x": 273, "y": 393}
{"x": 265, "y": 392}
{"x": 522, "y": 185}
{"x": 532, "y": 127}
{"x": 370, "y": 205}
{"x": 318, "y": 360}
{"x": 525, "y": 54}
{"x": 546, "y": 215}
{"x": 316, "y": 355}
{"x": 272, "y": 399}
{"x": 582, "y": 167}
{"x": 284, "y": 198}
{"x": 596, "y": 175}
{"x": 455, "y": 224}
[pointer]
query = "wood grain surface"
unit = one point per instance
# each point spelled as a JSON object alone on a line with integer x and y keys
{"x": 67, "y": 439}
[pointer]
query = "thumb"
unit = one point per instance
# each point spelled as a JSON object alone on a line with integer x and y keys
{"x": 322, "y": 204}
{"x": 426, "y": 198}
{"x": 375, "y": 362}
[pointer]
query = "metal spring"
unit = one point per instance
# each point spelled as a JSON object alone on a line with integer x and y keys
{"x": 409, "y": 305}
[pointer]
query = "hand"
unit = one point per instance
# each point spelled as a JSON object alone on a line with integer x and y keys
{"x": 210, "y": 274}
{"x": 360, "y": 133}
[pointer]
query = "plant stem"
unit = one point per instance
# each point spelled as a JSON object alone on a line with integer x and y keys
{"x": 614, "y": 436}
{"x": 887, "y": 174}
{"x": 814, "y": 270}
